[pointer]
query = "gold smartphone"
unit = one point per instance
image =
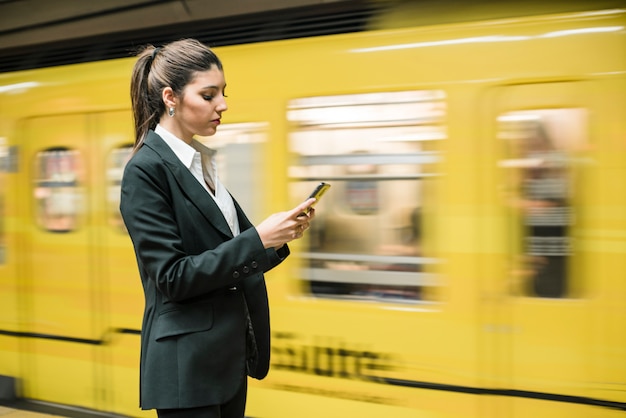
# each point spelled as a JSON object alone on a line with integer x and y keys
{"x": 317, "y": 193}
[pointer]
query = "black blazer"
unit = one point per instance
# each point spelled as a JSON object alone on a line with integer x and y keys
{"x": 195, "y": 275}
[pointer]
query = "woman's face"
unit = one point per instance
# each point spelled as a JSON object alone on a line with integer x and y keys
{"x": 199, "y": 110}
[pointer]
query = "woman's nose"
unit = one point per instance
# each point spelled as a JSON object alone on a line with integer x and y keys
{"x": 222, "y": 106}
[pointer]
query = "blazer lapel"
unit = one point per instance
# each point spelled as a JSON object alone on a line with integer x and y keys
{"x": 188, "y": 184}
{"x": 244, "y": 222}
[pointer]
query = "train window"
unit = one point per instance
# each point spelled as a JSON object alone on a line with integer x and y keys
{"x": 115, "y": 169}
{"x": 539, "y": 147}
{"x": 239, "y": 164}
{"x": 57, "y": 190}
{"x": 379, "y": 152}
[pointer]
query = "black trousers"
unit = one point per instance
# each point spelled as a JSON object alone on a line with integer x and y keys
{"x": 234, "y": 408}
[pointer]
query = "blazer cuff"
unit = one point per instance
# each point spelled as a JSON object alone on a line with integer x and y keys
{"x": 283, "y": 252}
{"x": 277, "y": 256}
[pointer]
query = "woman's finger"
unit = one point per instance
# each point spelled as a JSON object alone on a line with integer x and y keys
{"x": 302, "y": 208}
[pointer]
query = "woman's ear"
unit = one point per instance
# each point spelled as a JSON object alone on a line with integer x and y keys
{"x": 169, "y": 98}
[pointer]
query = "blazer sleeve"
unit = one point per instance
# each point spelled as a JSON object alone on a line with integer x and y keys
{"x": 161, "y": 228}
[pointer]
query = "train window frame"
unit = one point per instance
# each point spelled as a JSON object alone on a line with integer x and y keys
{"x": 538, "y": 187}
{"x": 369, "y": 146}
{"x": 58, "y": 192}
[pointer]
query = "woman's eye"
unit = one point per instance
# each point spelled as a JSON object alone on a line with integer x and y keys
{"x": 207, "y": 98}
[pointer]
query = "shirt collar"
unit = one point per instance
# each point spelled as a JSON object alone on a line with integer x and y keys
{"x": 203, "y": 149}
{"x": 183, "y": 151}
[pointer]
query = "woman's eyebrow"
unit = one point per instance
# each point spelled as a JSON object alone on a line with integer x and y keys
{"x": 210, "y": 86}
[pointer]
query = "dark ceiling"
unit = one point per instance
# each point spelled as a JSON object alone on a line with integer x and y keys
{"x": 40, "y": 33}
{"x": 37, "y": 33}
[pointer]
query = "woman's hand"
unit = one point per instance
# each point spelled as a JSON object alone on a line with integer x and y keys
{"x": 282, "y": 227}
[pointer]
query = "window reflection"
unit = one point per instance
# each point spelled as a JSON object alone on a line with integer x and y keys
{"x": 539, "y": 189}
{"x": 57, "y": 190}
{"x": 240, "y": 167}
{"x": 379, "y": 151}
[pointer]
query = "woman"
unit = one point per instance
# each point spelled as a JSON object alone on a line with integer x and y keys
{"x": 201, "y": 261}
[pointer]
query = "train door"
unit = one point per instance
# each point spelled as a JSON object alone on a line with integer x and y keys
{"x": 56, "y": 261}
{"x": 543, "y": 323}
{"x": 118, "y": 289}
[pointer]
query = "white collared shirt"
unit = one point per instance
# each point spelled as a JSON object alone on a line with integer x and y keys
{"x": 195, "y": 157}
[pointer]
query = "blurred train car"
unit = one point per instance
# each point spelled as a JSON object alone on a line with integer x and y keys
{"x": 468, "y": 260}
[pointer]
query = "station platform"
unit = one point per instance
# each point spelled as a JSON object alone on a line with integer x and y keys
{"x": 34, "y": 409}
{"x": 7, "y": 412}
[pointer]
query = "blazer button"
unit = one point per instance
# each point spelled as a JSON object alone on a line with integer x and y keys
{"x": 254, "y": 264}
{"x": 246, "y": 269}
{"x": 236, "y": 275}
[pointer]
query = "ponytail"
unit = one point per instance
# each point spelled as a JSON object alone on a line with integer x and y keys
{"x": 146, "y": 107}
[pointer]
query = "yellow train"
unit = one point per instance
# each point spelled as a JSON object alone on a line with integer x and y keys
{"x": 468, "y": 260}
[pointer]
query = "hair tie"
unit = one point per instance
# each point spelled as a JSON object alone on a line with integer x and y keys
{"x": 154, "y": 52}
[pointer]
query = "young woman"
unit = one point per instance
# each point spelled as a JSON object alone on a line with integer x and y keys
{"x": 201, "y": 261}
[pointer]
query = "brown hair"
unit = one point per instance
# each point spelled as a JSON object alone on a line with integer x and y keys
{"x": 173, "y": 65}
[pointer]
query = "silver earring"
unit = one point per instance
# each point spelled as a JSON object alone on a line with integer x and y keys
{"x": 171, "y": 112}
